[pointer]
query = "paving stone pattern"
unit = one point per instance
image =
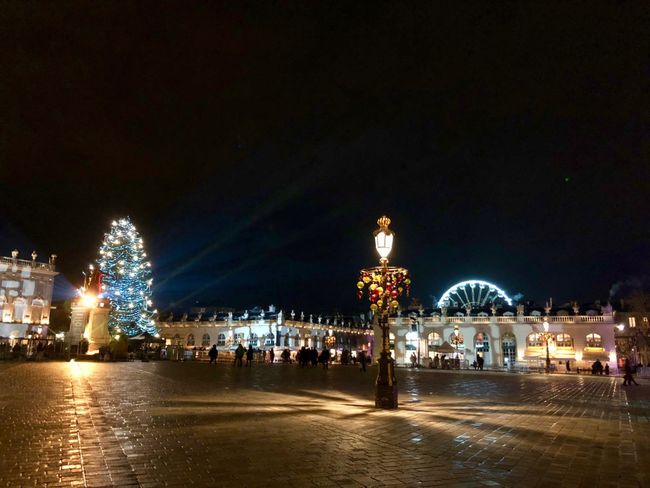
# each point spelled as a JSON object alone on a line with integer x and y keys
{"x": 192, "y": 424}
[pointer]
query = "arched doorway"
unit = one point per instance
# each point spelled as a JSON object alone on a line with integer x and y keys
{"x": 434, "y": 341}
{"x": 482, "y": 346}
{"x": 509, "y": 348}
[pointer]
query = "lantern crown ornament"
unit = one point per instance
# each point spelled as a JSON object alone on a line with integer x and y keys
{"x": 383, "y": 239}
{"x": 384, "y": 284}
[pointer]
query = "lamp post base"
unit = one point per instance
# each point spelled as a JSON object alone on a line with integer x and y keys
{"x": 386, "y": 385}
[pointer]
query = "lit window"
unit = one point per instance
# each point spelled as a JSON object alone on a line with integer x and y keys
{"x": 434, "y": 339}
{"x": 594, "y": 340}
{"x": 632, "y": 321}
{"x": 482, "y": 343}
{"x": 509, "y": 348}
{"x": 564, "y": 340}
{"x": 221, "y": 340}
{"x": 535, "y": 340}
{"x": 206, "y": 340}
{"x": 190, "y": 340}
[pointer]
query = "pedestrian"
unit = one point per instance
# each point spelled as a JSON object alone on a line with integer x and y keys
{"x": 304, "y": 356}
{"x": 474, "y": 365}
{"x": 249, "y": 356}
{"x": 325, "y": 358}
{"x": 239, "y": 355}
{"x": 480, "y": 361}
{"x": 607, "y": 369}
{"x": 314, "y": 356}
{"x": 362, "y": 361}
{"x": 213, "y": 353}
{"x": 628, "y": 379}
{"x": 413, "y": 359}
{"x": 436, "y": 361}
{"x": 271, "y": 356}
{"x": 568, "y": 366}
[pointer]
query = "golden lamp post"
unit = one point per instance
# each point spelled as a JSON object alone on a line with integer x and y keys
{"x": 384, "y": 285}
{"x": 547, "y": 336}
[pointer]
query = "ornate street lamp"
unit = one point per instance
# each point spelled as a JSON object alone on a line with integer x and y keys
{"x": 547, "y": 336}
{"x": 384, "y": 284}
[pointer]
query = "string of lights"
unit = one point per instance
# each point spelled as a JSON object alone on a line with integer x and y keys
{"x": 126, "y": 279}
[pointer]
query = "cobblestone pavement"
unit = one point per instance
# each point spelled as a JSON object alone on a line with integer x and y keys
{"x": 184, "y": 424}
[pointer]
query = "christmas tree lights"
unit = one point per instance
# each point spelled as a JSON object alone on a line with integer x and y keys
{"x": 126, "y": 279}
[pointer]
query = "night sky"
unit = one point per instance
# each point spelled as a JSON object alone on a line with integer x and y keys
{"x": 254, "y": 144}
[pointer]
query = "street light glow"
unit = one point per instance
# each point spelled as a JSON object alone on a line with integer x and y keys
{"x": 383, "y": 238}
{"x": 89, "y": 300}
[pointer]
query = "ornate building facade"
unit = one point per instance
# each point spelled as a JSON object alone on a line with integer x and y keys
{"x": 25, "y": 295}
{"x": 473, "y": 318}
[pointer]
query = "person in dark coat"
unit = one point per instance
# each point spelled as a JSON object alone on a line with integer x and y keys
{"x": 213, "y": 353}
{"x": 271, "y": 356}
{"x": 628, "y": 379}
{"x": 314, "y": 356}
{"x": 249, "y": 356}
{"x": 325, "y": 358}
{"x": 362, "y": 361}
{"x": 239, "y": 355}
{"x": 480, "y": 361}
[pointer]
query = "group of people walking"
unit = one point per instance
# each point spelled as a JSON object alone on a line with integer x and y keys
{"x": 305, "y": 356}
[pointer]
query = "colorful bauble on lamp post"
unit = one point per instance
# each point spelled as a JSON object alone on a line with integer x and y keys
{"x": 383, "y": 286}
{"x": 547, "y": 336}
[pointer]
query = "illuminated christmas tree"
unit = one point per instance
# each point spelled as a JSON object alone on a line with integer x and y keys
{"x": 126, "y": 279}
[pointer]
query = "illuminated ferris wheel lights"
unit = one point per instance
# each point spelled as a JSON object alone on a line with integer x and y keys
{"x": 464, "y": 293}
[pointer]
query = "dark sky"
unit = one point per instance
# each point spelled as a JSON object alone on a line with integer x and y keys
{"x": 255, "y": 144}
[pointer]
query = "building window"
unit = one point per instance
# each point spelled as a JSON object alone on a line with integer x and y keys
{"x": 412, "y": 341}
{"x": 221, "y": 340}
{"x": 535, "y": 340}
{"x": 594, "y": 340}
{"x": 19, "y": 309}
{"x": 564, "y": 340}
{"x": 190, "y": 340}
{"x": 269, "y": 341}
{"x": 239, "y": 338}
{"x": 434, "y": 339}
{"x": 177, "y": 340}
{"x": 253, "y": 340}
{"x": 509, "y": 348}
{"x": 632, "y": 321}
{"x": 206, "y": 340}
{"x": 482, "y": 343}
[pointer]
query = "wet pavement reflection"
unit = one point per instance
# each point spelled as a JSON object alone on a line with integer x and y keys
{"x": 178, "y": 424}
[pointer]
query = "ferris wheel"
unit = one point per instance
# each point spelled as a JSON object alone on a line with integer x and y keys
{"x": 473, "y": 293}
